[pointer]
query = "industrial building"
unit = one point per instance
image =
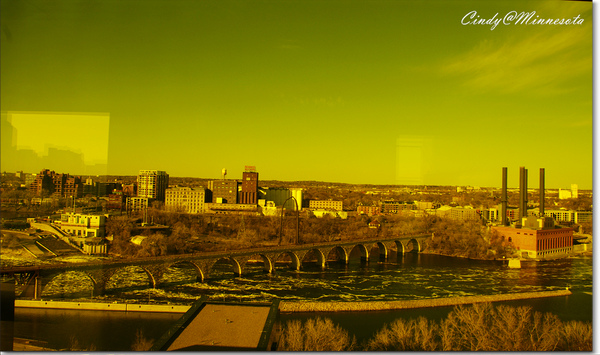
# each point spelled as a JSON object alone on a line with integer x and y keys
{"x": 249, "y": 192}
{"x": 534, "y": 237}
{"x": 280, "y": 196}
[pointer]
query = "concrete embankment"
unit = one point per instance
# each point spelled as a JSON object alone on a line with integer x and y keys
{"x": 424, "y": 303}
{"x": 97, "y": 306}
{"x": 292, "y": 307}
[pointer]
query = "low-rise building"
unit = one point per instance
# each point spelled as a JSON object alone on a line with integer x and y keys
{"x": 393, "y": 207}
{"x": 225, "y": 208}
{"x": 330, "y": 213}
{"x": 368, "y": 210}
{"x": 83, "y": 225}
{"x": 463, "y": 213}
{"x": 489, "y": 214}
{"x": 135, "y": 204}
{"x": 329, "y": 205}
{"x": 423, "y": 205}
{"x": 116, "y": 201}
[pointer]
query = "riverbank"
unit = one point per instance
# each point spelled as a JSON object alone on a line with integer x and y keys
{"x": 298, "y": 307}
{"x": 292, "y": 307}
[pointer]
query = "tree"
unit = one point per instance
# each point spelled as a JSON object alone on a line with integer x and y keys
{"x": 316, "y": 334}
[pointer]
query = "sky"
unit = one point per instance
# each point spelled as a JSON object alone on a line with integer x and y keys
{"x": 364, "y": 92}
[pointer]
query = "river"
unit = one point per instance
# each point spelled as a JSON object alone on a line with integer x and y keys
{"x": 411, "y": 276}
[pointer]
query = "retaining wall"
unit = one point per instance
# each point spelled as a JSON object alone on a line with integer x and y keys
{"x": 95, "y": 306}
{"x": 424, "y": 303}
{"x": 291, "y": 307}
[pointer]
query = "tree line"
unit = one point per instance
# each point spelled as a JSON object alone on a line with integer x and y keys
{"x": 197, "y": 233}
{"x": 480, "y": 327}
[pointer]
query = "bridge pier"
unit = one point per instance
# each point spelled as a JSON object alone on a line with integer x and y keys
{"x": 33, "y": 288}
{"x": 383, "y": 251}
{"x": 99, "y": 279}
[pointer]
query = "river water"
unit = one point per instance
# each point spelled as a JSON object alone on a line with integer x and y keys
{"x": 410, "y": 276}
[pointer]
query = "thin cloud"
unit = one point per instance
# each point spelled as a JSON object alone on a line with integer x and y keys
{"x": 544, "y": 62}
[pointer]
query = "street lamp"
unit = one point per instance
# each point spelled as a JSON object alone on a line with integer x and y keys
{"x": 297, "y": 220}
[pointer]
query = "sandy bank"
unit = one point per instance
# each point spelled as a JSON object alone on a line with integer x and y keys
{"x": 290, "y": 307}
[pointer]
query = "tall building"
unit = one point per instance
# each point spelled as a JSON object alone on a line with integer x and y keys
{"x": 185, "y": 199}
{"x": 42, "y": 184}
{"x": 152, "y": 184}
{"x": 249, "y": 193}
{"x": 574, "y": 191}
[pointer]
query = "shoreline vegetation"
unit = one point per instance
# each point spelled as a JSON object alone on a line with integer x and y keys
{"x": 299, "y": 307}
{"x": 478, "y": 327}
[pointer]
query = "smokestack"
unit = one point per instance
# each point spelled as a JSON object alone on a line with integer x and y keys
{"x": 504, "y": 199}
{"x": 542, "y": 191}
{"x": 522, "y": 194}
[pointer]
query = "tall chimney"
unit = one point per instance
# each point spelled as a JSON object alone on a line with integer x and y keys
{"x": 522, "y": 194}
{"x": 542, "y": 192}
{"x": 504, "y": 199}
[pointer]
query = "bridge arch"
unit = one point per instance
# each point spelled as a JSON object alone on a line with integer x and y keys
{"x": 321, "y": 260}
{"x": 295, "y": 259}
{"x": 413, "y": 245}
{"x": 237, "y": 268}
{"x": 129, "y": 274}
{"x": 67, "y": 282}
{"x": 364, "y": 252}
{"x": 341, "y": 254}
{"x": 199, "y": 273}
{"x": 383, "y": 250}
{"x": 268, "y": 264}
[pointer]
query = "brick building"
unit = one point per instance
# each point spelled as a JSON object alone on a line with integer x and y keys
{"x": 539, "y": 238}
{"x": 368, "y": 210}
{"x": 249, "y": 193}
{"x": 48, "y": 182}
{"x": 224, "y": 191}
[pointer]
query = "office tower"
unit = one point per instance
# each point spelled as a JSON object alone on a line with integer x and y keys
{"x": 152, "y": 184}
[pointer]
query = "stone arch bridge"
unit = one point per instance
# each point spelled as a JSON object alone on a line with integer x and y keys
{"x": 34, "y": 278}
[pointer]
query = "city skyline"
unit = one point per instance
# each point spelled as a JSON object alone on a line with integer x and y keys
{"x": 356, "y": 92}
